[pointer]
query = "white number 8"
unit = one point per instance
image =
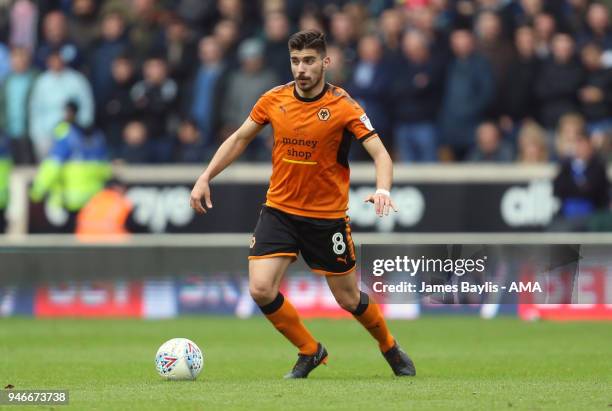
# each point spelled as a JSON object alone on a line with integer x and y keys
{"x": 339, "y": 245}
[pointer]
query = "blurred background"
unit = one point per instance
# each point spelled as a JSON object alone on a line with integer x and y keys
{"x": 498, "y": 115}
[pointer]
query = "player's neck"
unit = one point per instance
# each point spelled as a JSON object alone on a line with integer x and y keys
{"x": 312, "y": 94}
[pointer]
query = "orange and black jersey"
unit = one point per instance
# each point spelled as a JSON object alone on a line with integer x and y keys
{"x": 312, "y": 137}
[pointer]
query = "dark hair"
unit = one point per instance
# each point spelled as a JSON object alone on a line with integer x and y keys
{"x": 55, "y": 51}
{"x": 156, "y": 54}
{"x": 308, "y": 39}
{"x": 591, "y": 45}
{"x": 72, "y": 106}
{"x": 190, "y": 121}
{"x": 124, "y": 55}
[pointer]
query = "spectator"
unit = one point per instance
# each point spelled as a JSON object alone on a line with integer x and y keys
{"x": 52, "y": 90}
{"x": 311, "y": 20}
{"x": 118, "y": 108}
{"x": 532, "y": 144}
{"x": 545, "y": 27}
{"x": 530, "y": 81}
{"x": 575, "y": 15}
{"x": 55, "y": 38}
{"x": 469, "y": 92}
{"x": 490, "y": 146}
{"x": 497, "y": 50}
{"x": 125, "y": 8}
{"x": 294, "y": 9}
{"x": 569, "y": 128}
{"x": 83, "y": 152}
{"x": 136, "y": 148}
{"x": 337, "y": 72}
{"x": 558, "y": 82}
{"x": 197, "y": 13}
{"x": 463, "y": 13}
{"x": 82, "y": 23}
{"x": 344, "y": 36}
{"x": 244, "y": 87}
{"x": 14, "y": 95}
{"x": 24, "y": 15}
{"x": 155, "y": 97}
{"x": 391, "y": 26}
{"x": 277, "y": 33}
{"x": 369, "y": 83}
{"x": 595, "y": 96}
{"x": 506, "y": 11}
{"x": 357, "y": 13}
{"x": 208, "y": 86}
{"x": 582, "y": 186}
{"x": 107, "y": 214}
{"x": 598, "y": 29}
{"x": 112, "y": 43}
{"x": 518, "y": 101}
{"x": 227, "y": 33}
{"x": 180, "y": 51}
{"x": 529, "y": 10}
{"x": 145, "y": 28}
{"x": 416, "y": 91}
{"x": 190, "y": 145}
{"x": 423, "y": 19}
{"x": 244, "y": 13}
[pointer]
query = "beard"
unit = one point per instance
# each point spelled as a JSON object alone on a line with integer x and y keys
{"x": 310, "y": 82}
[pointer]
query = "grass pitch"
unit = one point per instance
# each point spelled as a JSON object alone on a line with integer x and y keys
{"x": 462, "y": 363}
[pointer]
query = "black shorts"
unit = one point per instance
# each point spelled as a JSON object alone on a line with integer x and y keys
{"x": 326, "y": 244}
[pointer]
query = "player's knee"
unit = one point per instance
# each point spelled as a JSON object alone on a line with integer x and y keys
{"x": 262, "y": 293}
{"x": 348, "y": 301}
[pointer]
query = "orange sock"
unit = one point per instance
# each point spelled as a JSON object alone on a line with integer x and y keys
{"x": 286, "y": 320}
{"x": 369, "y": 315}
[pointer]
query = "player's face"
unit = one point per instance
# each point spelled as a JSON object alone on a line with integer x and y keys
{"x": 308, "y": 67}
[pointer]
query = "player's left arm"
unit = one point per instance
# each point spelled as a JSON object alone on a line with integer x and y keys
{"x": 384, "y": 176}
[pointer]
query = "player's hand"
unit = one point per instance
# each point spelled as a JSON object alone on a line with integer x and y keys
{"x": 201, "y": 191}
{"x": 382, "y": 203}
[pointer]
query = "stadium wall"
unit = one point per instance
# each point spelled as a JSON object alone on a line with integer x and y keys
{"x": 164, "y": 276}
{"x": 435, "y": 198}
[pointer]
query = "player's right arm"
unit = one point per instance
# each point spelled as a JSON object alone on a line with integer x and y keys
{"x": 229, "y": 151}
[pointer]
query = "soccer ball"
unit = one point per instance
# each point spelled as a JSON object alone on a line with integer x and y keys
{"x": 179, "y": 359}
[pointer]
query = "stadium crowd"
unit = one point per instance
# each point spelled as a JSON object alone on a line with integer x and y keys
{"x": 441, "y": 80}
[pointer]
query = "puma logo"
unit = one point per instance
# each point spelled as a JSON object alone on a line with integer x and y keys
{"x": 341, "y": 259}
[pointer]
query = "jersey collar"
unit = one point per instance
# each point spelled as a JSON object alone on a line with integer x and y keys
{"x": 310, "y": 99}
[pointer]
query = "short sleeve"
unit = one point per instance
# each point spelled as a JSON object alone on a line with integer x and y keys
{"x": 359, "y": 124}
{"x": 259, "y": 113}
